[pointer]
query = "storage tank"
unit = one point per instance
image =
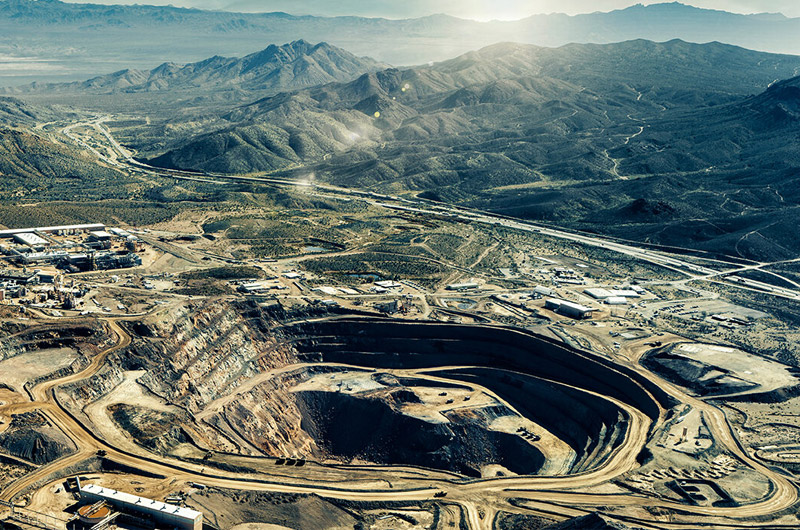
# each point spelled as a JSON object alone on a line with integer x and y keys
{"x": 91, "y": 514}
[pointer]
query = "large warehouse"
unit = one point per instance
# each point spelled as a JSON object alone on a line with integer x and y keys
{"x": 160, "y": 514}
{"x": 570, "y": 309}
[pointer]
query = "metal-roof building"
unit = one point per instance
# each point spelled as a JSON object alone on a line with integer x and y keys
{"x": 19, "y": 277}
{"x": 567, "y": 308}
{"x": 601, "y": 294}
{"x": 616, "y": 300}
{"x": 626, "y": 293}
{"x": 30, "y": 239}
{"x": 598, "y": 293}
{"x": 53, "y": 229}
{"x": 161, "y": 514}
{"x": 119, "y": 232}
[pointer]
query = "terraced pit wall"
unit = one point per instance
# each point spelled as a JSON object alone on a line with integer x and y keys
{"x": 544, "y": 380}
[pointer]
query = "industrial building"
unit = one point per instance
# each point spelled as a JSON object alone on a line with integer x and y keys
{"x": 30, "y": 239}
{"x": 60, "y": 230}
{"x": 157, "y": 513}
{"x": 119, "y": 232}
{"x": 112, "y": 260}
{"x": 99, "y": 235}
{"x": 33, "y": 247}
{"x": 252, "y": 288}
{"x": 390, "y": 308}
{"x": 602, "y": 294}
{"x": 388, "y": 284}
{"x": 17, "y": 277}
{"x": 569, "y": 309}
{"x": 462, "y": 286}
{"x": 616, "y": 300}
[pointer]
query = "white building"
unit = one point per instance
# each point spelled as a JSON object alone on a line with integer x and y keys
{"x": 62, "y": 230}
{"x": 160, "y": 514}
{"x": 567, "y": 308}
{"x": 598, "y": 293}
{"x": 616, "y": 300}
{"x": 30, "y": 239}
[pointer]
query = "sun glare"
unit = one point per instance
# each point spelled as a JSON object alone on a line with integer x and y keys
{"x": 484, "y": 11}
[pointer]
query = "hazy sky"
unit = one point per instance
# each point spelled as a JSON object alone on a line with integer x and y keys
{"x": 477, "y": 9}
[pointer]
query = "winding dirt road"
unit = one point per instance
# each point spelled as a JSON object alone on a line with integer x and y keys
{"x": 479, "y": 498}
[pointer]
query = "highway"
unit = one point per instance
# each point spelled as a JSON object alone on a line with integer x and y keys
{"x": 479, "y": 499}
{"x": 693, "y": 271}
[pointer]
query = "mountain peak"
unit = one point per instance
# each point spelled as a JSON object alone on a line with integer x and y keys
{"x": 297, "y": 64}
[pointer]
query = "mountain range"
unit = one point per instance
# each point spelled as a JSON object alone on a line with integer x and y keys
{"x": 661, "y": 140}
{"x": 49, "y": 40}
{"x": 298, "y": 64}
{"x": 673, "y": 143}
{"x": 498, "y": 88}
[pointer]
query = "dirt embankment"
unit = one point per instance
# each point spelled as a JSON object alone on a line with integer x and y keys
{"x": 368, "y": 428}
{"x": 84, "y": 338}
{"x": 32, "y": 438}
{"x": 189, "y": 356}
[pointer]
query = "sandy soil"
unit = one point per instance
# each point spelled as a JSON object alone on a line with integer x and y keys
{"x": 769, "y": 375}
{"x": 17, "y": 371}
{"x": 129, "y": 391}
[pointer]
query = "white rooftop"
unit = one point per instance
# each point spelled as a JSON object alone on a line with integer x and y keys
{"x": 566, "y": 303}
{"x": 30, "y": 239}
{"x": 616, "y": 300}
{"x": 599, "y": 293}
{"x": 141, "y": 503}
{"x": 626, "y": 293}
{"x": 13, "y": 231}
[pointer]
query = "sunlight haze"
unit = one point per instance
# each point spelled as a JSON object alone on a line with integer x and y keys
{"x": 473, "y": 9}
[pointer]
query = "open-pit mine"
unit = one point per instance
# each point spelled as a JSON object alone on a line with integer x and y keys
{"x": 252, "y": 413}
{"x": 312, "y": 357}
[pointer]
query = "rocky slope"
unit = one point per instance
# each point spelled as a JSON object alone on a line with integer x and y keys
{"x": 31, "y": 437}
{"x": 684, "y": 155}
{"x": 34, "y": 165}
{"x": 192, "y": 355}
{"x": 298, "y": 64}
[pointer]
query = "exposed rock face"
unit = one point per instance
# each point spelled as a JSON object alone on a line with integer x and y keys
{"x": 540, "y": 379}
{"x": 44, "y": 337}
{"x": 148, "y": 427}
{"x": 268, "y": 417}
{"x": 369, "y": 428}
{"x": 203, "y": 353}
{"x": 31, "y": 437}
{"x": 192, "y": 355}
{"x": 593, "y": 521}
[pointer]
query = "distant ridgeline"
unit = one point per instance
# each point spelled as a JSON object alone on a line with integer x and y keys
{"x": 100, "y": 38}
